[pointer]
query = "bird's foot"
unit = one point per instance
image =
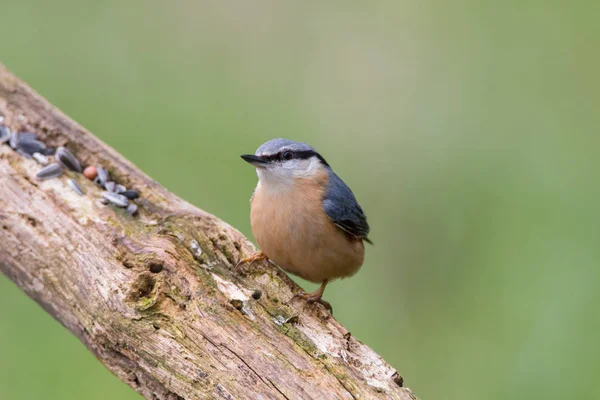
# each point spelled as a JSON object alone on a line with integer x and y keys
{"x": 258, "y": 256}
{"x": 312, "y": 298}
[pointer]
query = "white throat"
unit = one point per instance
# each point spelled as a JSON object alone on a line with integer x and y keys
{"x": 281, "y": 178}
{"x": 274, "y": 182}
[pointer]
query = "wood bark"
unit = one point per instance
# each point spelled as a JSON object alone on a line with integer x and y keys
{"x": 154, "y": 296}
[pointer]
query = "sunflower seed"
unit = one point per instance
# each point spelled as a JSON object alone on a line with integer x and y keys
{"x": 4, "y": 134}
{"x": 75, "y": 186}
{"x": 49, "y": 151}
{"x": 131, "y": 209}
{"x": 66, "y": 158}
{"x": 40, "y": 158}
{"x": 102, "y": 177}
{"x": 131, "y": 194}
{"x": 14, "y": 140}
{"x": 103, "y": 201}
{"x": 24, "y": 154}
{"x": 30, "y": 146}
{"x": 116, "y": 199}
{"x": 50, "y": 171}
{"x": 27, "y": 136}
{"x": 110, "y": 186}
{"x": 120, "y": 189}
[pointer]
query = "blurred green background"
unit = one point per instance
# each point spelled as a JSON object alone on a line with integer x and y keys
{"x": 467, "y": 130}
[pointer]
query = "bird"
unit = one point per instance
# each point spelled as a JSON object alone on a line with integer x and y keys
{"x": 304, "y": 218}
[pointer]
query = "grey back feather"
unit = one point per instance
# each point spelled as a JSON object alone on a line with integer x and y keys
{"x": 341, "y": 207}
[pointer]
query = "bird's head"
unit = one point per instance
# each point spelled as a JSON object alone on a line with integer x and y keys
{"x": 279, "y": 162}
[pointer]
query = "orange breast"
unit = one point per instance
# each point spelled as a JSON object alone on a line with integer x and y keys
{"x": 293, "y": 230}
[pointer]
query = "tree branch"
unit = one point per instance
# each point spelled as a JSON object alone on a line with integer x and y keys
{"x": 153, "y": 295}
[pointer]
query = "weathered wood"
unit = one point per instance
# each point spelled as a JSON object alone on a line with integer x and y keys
{"x": 194, "y": 330}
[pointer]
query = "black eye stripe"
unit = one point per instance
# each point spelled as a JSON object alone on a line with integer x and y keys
{"x": 308, "y": 154}
{"x": 300, "y": 154}
{"x": 304, "y": 154}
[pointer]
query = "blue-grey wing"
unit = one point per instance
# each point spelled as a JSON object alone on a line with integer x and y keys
{"x": 341, "y": 207}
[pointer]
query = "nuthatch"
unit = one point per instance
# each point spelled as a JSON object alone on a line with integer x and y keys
{"x": 304, "y": 217}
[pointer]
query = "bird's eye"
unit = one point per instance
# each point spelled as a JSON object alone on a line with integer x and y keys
{"x": 286, "y": 155}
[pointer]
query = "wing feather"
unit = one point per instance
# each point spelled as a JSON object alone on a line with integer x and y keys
{"x": 343, "y": 209}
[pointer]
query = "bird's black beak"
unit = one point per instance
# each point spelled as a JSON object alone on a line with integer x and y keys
{"x": 254, "y": 160}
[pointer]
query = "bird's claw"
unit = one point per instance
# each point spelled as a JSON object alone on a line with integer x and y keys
{"x": 312, "y": 298}
{"x": 259, "y": 256}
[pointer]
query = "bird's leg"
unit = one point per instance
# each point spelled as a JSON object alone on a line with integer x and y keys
{"x": 258, "y": 256}
{"x": 315, "y": 297}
